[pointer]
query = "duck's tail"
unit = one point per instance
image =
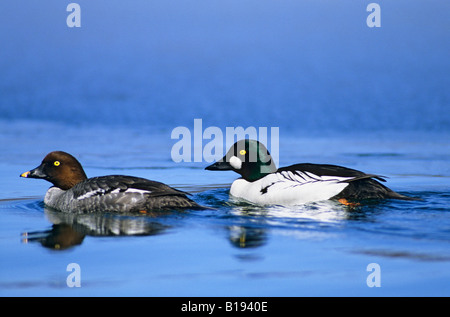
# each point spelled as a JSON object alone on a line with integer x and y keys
{"x": 366, "y": 187}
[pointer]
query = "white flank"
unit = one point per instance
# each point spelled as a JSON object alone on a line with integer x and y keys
{"x": 288, "y": 188}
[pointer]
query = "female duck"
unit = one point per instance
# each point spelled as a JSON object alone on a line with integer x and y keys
{"x": 72, "y": 191}
{"x": 263, "y": 184}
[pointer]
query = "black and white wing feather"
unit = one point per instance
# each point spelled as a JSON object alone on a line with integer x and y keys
{"x": 128, "y": 194}
{"x": 360, "y": 184}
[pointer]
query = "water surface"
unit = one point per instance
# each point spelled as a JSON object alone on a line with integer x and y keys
{"x": 112, "y": 91}
{"x": 234, "y": 249}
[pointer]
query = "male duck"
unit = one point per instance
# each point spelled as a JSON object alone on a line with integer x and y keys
{"x": 72, "y": 191}
{"x": 263, "y": 184}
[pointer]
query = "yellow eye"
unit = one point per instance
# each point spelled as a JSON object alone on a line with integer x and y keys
{"x": 243, "y": 152}
{"x": 56, "y": 163}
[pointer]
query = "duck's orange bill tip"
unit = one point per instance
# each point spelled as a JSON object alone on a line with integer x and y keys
{"x": 25, "y": 174}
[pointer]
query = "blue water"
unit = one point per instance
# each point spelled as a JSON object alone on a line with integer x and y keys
{"x": 112, "y": 91}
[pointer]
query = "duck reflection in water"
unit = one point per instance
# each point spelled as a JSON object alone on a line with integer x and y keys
{"x": 69, "y": 230}
{"x": 254, "y": 234}
{"x": 247, "y": 237}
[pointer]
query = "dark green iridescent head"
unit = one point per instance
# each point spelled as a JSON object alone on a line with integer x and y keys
{"x": 249, "y": 158}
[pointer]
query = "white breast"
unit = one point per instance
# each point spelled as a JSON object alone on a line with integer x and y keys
{"x": 288, "y": 188}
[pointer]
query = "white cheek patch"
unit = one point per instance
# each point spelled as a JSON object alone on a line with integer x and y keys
{"x": 235, "y": 162}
